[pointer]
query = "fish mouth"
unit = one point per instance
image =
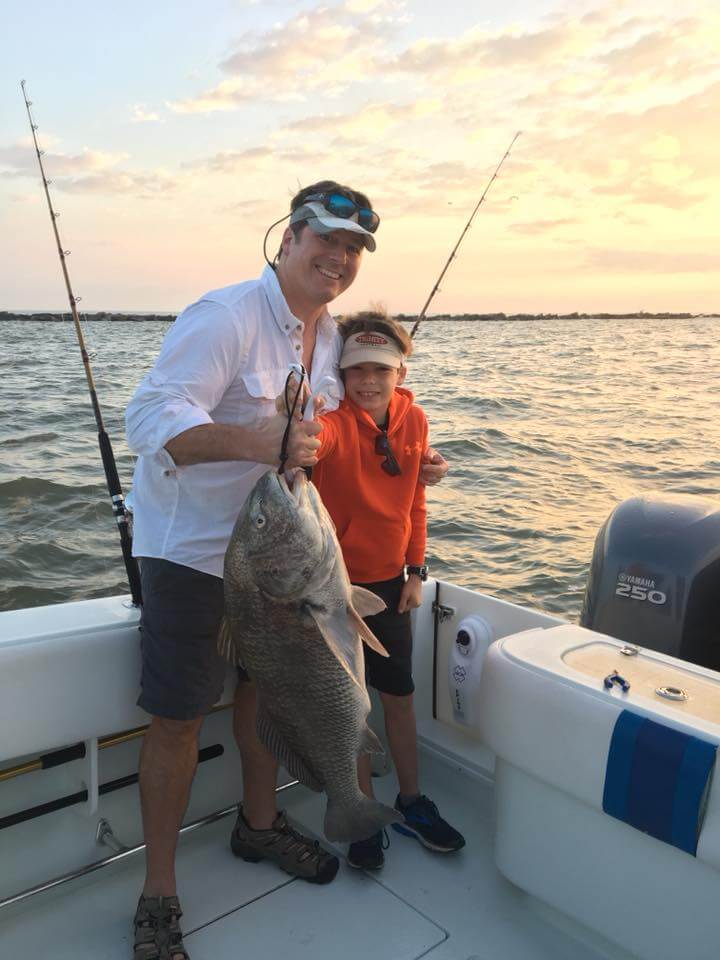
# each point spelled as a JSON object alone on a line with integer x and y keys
{"x": 293, "y": 483}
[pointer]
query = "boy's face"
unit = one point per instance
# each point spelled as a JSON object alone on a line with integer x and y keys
{"x": 370, "y": 386}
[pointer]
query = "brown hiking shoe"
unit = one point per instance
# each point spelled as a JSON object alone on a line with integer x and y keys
{"x": 157, "y": 930}
{"x": 291, "y": 851}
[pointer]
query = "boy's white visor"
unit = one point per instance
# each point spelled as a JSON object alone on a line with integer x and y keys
{"x": 321, "y": 221}
{"x": 371, "y": 346}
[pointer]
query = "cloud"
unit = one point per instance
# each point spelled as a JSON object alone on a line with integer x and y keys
{"x": 365, "y": 124}
{"x": 542, "y": 226}
{"x": 480, "y": 50}
{"x": 651, "y": 261}
{"x": 323, "y": 49}
{"x": 583, "y": 88}
{"x": 228, "y": 95}
{"x": 141, "y": 115}
{"x": 143, "y": 185}
{"x": 612, "y": 103}
{"x": 90, "y": 171}
{"x": 232, "y": 161}
{"x": 19, "y": 160}
{"x": 659, "y": 156}
{"x": 643, "y": 191}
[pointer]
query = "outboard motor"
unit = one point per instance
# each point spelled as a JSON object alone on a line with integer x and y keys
{"x": 655, "y": 578}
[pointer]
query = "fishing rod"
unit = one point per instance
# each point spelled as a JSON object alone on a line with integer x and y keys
{"x": 450, "y": 259}
{"x": 113, "y": 481}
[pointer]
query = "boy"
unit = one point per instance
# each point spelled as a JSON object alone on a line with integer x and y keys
{"x": 368, "y": 477}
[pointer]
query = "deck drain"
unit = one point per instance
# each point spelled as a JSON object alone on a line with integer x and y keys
{"x": 671, "y": 693}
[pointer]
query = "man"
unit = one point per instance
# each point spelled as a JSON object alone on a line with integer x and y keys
{"x": 204, "y": 425}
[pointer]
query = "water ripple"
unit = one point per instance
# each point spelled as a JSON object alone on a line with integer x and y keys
{"x": 547, "y": 426}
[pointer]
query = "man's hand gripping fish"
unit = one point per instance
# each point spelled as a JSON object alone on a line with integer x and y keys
{"x": 295, "y": 622}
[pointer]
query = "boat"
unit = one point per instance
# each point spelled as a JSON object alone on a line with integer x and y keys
{"x": 524, "y": 720}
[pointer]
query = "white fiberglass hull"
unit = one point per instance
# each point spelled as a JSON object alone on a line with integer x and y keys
{"x": 69, "y": 674}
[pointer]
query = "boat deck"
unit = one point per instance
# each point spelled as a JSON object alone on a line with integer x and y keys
{"x": 452, "y": 907}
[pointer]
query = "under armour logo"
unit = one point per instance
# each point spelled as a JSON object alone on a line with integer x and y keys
{"x": 409, "y": 448}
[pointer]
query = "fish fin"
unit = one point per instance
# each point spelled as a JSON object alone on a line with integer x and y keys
{"x": 365, "y": 602}
{"x": 226, "y": 646}
{"x": 275, "y": 743}
{"x": 358, "y": 820}
{"x": 338, "y": 633}
{"x": 370, "y": 742}
{"x": 366, "y": 634}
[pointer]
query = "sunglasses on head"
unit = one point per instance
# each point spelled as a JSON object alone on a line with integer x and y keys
{"x": 382, "y": 449}
{"x": 343, "y": 207}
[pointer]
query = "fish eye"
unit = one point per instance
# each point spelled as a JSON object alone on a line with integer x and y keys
{"x": 260, "y": 520}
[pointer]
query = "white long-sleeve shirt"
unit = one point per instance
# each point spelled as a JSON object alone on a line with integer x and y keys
{"x": 224, "y": 360}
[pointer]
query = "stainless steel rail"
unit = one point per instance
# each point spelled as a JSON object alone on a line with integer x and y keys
{"x": 103, "y": 837}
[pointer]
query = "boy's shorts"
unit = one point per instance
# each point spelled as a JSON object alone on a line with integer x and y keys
{"x": 391, "y": 674}
{"x": 182, "y": 672}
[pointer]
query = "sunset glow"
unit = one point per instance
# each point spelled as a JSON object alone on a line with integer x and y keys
{"x": 174, "y": 137}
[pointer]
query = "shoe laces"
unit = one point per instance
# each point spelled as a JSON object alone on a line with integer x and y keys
{"x": 423, "y": 805}
{"x": 306, "y": 848}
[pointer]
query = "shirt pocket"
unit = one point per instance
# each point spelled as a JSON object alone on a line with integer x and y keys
{"x": 265, "y": 384}
{"x": 260, "y": 388}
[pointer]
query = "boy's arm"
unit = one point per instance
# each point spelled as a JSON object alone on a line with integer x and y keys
{"x": 330, "y": 433}
{"x": 433, "y": 467}
{"x": 411, "y": 593}
{"x": 415, "y": 555}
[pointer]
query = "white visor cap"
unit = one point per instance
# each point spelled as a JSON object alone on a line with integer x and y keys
{"x": 322, "y": 221}
{"x": 371, "y": 346}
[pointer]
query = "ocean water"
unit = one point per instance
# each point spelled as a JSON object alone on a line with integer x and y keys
{"x": 547, "y": 425}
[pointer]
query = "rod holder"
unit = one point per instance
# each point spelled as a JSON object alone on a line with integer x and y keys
{"x": 105, "y": 837}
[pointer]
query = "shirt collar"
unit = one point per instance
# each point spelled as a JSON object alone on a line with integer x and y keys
{"x": 282, "y": 314}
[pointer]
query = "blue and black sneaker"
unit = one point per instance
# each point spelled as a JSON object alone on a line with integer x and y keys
{"x": 368, "y": 854}
{"x": 423, "y": 820}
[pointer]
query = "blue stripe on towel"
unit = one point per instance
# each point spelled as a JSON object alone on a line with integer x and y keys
{"x": 656, "y": 762}
{"x": 696, "y": 768}
{"x": 655, "y": 779}
{"x": 620, "y": 761}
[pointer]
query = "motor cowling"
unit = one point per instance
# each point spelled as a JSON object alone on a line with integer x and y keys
{"x": 654, "y": 579}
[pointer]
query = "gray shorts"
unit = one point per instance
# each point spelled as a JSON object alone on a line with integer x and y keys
{"x": 182, "y": 673}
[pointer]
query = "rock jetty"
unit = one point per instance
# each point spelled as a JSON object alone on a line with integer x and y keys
{"x": 105, "y": 316}
{"x": 90, "y": 317}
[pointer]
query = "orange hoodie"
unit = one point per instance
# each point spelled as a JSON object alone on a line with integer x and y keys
{"x": 380, "y": 520}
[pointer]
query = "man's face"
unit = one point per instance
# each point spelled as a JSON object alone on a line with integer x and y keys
{"x": 319, "y": 267}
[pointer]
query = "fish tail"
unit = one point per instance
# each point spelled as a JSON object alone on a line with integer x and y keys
{"x": 346, "y": 822}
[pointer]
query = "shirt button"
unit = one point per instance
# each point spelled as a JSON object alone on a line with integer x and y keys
{"x": 297, "y": 346}
{"x": 287, "y": 326}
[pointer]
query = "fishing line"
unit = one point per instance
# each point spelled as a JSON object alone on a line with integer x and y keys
{"x": 444, "y": 270}
{"x": 273, "y": 263}
{"x": 120, "y": 512}
{"x": 290, "y": 410}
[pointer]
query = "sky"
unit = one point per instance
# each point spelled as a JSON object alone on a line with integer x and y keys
{"x": 175, "y": 133}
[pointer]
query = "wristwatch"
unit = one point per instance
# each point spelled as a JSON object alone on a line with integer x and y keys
{"x": 421, "y": 572}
